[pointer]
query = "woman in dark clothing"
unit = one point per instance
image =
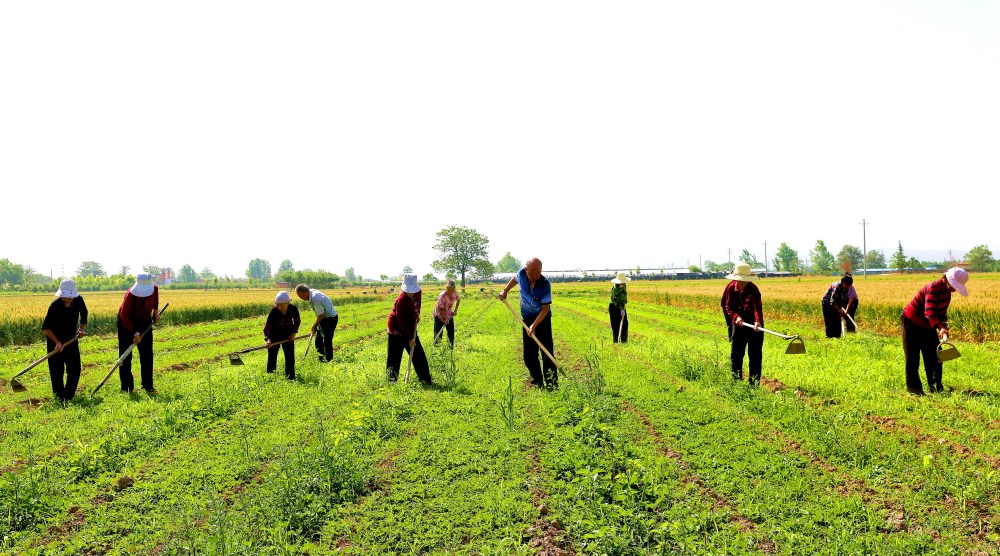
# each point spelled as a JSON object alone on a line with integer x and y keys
{"x": 138, "y": 310}
{"x": 924, "y": 324}
{"x": 616, "y": 309}
{"x": 60, "y": 326}
{"x": 835, "y": 302}
{"x": 282, "y": 324}
{"x": 741, "y": 303}
{"x": 402, "y": 325}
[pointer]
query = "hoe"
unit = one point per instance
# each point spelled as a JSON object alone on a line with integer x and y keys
{"x": 234, "y": 357}
{"x": 949, "y": 353}
{"x": 795, "y": 347}
{"x": 17, "y": 386}
{"x": 126, "y": 354}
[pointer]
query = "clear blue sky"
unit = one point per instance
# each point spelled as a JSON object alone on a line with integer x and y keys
{"x": 589, "y": 134}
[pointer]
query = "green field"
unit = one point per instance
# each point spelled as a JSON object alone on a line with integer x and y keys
{"x": 646, "y": 448}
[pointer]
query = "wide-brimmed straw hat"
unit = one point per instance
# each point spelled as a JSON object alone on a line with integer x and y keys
{"x": 742, "y": 273}
{"x": 410, "y": 284}
{"x": 67, "y": 288}
{"x": 620, "y": 278}
{"x": 282, "y": 297}
{"x": 143, "y": 286}
{"x": 957, "y": 277}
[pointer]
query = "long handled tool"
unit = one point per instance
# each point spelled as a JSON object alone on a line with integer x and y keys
{"x": 949, "y": 353}
{"x": 848, "y": 315}
{"x": 795, "y": 347}
{"x": 440, "y": 332}
{"x": 308, "y": 343}
{"x": 234, "y": 357}
{"x": 537, "y": 341}
{"x": 17, "y": 386}
{"x": 621, "y": 326}
{"x": 409, "y": 362}
{"x": 127, "y": 352}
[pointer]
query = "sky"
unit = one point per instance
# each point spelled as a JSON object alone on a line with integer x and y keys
{"x": 591, "y": 135}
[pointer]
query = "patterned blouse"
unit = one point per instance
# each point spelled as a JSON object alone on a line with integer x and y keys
{"x": 619, "y": 296}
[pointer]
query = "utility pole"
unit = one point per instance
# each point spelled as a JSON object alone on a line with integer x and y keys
{"x": 730, "y": 255}
{"x": 765, "y": 259}
{"x": 864, "y": 246}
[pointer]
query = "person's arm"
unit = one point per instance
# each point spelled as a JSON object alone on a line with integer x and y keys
{"x": 125, "y": 311}
{"x": 458, "y": 299}
{"x": 758, "y": 309}
{"x": 82, "y": 306}
{"x": 51, "y": 336}
{"x": 538, "y": 319}
{"x": 503, "y": 293}
{"x": 934, "y": 313}
{"x": 156, "y": 304}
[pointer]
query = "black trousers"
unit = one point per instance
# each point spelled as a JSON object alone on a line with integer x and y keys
{"x": 288, "y": 348}
{"x": 618, "y": 320}
{"x": 397, "y": 345}
{"x": 449, "y": 329}
{"x": 531, "y": 354}
{"x": 145, "y": 349}
{"x": 66, "y": 362}
{"x": 831, "y": 318}
{"x": 324, "y": 336}
{"x": 746, "y": 339}
{"x": 852, "y": 307}
{"x": 919, "y": 341}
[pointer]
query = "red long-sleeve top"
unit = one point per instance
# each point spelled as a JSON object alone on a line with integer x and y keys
{"x": 405, "y": 313}
{"x": 929, "y": 308}
{"x": 746, "y": 304}
{"x": 136, "y": 313}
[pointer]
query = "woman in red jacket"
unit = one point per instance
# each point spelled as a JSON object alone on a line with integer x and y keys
{"x": 402, "y": 325}
{"x": 138, "y": 310}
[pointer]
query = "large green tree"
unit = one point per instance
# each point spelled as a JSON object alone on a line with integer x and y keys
{"x": 875, "y": 259}
{"x": 463, "y": 250}
{"x": 91, "y": 269}
{"x": 822, "y": 259}
{"x": 980, "y": 258}
{"x": 11, "y": 274}
{"x": 786, "y": 258}
{"x": 259, "y": 269}
{"x": 188, "y": 274}
{"x": 508, "y": 263}
{"x": 285, "y": 266}
{"x": 152, "y": 269}
{"x": 849, "y": 258}
{"x": 349, "y": 274}
{"x": 749, "y": 258}
{"x": 898, "y": 261}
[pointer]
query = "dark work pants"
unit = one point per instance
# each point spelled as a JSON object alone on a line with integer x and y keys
{"x": 831, "y": 318}
{"x": 744, "y": 338}
{"x": 531, "y": 353}
{"x": 145, "y": 349}
{"x": 852, "y": 308}
{"x": 65, "y": 362}
{"x": 449, "y": 329}
{"x": 617, "y": 319}
{"x": 272, "y": 358}
{"x": 919, "y": 341}
{"x": 397, "y": 345}
{"x": 324, "y": 336}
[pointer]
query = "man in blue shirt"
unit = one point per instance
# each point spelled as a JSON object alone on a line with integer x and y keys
{"x": 536, "y": 297}
{"x": 326, "y": 319}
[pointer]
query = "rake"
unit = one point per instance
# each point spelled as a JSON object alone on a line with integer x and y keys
{"x": 17, "y": 386}
{"x": 795, "y": 347}
{"x": 234, "y": 357}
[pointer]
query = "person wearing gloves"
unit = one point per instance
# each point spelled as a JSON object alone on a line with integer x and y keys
{"x": 835, "y": 303}
{"x": 741, "y": 303}
{"x": 402, "y": 328}
{"x": 326, "y": 320}
{"x": 444, "y": 312}
{"x": 924, "y": 324}
{"x": 66, "y": 318}
{"x": 138, "y": 310}
{"x": 536, "y": 302}
{"x": 282, "y": 324}
{"x": 616, "y": 309}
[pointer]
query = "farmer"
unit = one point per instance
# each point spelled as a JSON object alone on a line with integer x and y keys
{"x": 835, "y": 304}
{"x": 924, "y": 324}
{"x": 741, "y": 303}
{"x": 326, "y": 320}
{"x": 136, "y": 313}
{"x": 444, "y": 312}
{"x": 536, "y": 298}
{"x": 282, "y": 324}
{"x": 616, "y": 309}
{"x": 60, "y": 326}
{"x": 852, "y": 308}
{"x": 402, "y": 327}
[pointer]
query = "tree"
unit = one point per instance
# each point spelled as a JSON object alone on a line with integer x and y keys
{"x": 383, "y": 277}
{"x": 508, "y": 263}
{"x": 259, "y": 269}
{"x": 124, "y": 270}
{"x": 152, "y": 269}
{"x": 710, "y": 266}
{"x": 750, "y": 259}
{"x": 850, "y": 257}
{"x": 407, "y": 269}
{"x": 188, "y": 274}
{"x": 898, "y": 261}
{"x": 429, "y": 277}
{"x": 822, "y": 259}
{"x": 874, "y": 259}
{"x": 286, "y": 265}
{"x": 462, "y": 250}
{"x": 914, "y": 264}
{"x": 694, "y": 268}
{"x": 11, "y": 273}
{"x": 206, "y": 274}
{"x": 786, "y": 258}
{"x": 349, "y": 275}
{"x": 980, "y": 258}
{"x": 91, "y": 268}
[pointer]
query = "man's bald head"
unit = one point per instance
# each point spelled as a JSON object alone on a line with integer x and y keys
{"x": 533, "y": 268}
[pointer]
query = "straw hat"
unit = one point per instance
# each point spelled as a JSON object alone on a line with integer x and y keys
{"x": 143, "y": 285}
{"x": 620, "y": 278}
{"x": 67, "y": 288}
{"x": 742, "y": 273}
{"x": 282, "y": 297}
{"x": 957, "y": 277}
{"x": 410, "y": 284}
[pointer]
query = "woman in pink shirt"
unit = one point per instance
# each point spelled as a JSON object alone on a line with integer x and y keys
{"x": 444, "y": 312}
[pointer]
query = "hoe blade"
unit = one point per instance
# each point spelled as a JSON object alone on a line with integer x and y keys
{"x": 947, "y": 353}
{"x": 795, "y": 347}
{"x": 17, "y": 386}
{"x": 234, "y": 359}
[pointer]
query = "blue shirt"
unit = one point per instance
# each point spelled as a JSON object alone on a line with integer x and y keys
{"x": 532, "y": 299}
{"x": 321, "y": 304}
